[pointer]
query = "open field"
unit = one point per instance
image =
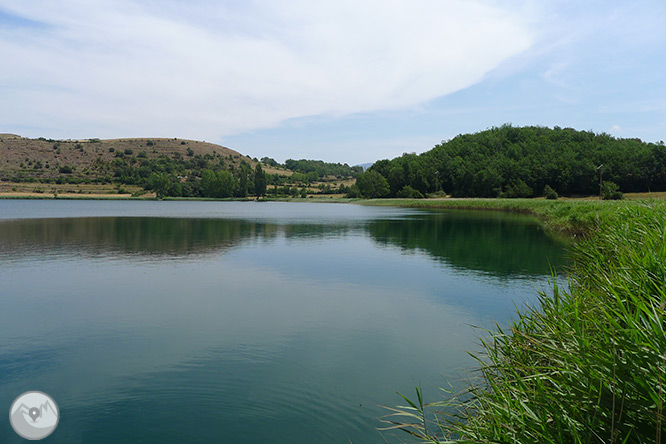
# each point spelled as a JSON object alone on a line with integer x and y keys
{"x": 44, "y": 190}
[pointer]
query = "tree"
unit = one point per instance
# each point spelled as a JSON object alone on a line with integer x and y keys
{"x": 209, "y": 183}
{"x": 160, "y": 184}
{"x": 549, "y": 193}
{"x": 243, "y": 180}
{"x": 372, "y": 185}
{"x": 227, "y": 184}
{"x": 259, "y": 181}
{"x": 353, "y": 192}
{"x": 520, "y": 162}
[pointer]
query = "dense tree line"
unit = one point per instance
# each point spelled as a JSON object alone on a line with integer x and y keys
{"x": 520, "y": 162}
{"x": 240, "y": 182}
{"x": 317, "y": 169}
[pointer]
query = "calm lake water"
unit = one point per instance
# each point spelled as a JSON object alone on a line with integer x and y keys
{"x": 171, "y": 322}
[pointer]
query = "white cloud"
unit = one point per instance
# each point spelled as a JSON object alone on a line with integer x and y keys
{"x": 615, "y": 129}
{"x": 205, "y": 70}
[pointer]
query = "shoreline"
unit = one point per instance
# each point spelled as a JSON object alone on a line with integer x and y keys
{"x": 582, "y": 364}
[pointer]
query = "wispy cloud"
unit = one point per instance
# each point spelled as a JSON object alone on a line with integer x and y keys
{"x": 205, "y": 69}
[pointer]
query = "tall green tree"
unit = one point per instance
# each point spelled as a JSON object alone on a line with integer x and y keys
{"x": 210, "y": 184}
{"x": 372, "y": 185}
{"x": 243, "y": 180}
{"x": 259, "y": 181}
{"x": 227, "y": 184}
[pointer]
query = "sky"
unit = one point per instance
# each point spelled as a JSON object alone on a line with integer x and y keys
{"x": 338, "y": 80}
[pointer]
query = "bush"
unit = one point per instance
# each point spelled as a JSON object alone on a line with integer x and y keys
{"x": 611, "y": 191}
{"x": 353, "y": 192}
{"x": 409, "y": 193}
{"x": 150, "y": 143}
{"x": 65, "y": 169}
{"x": 549, "y": 193}
{"x": 517, "y": 189}
{"x": 128, "y": 151}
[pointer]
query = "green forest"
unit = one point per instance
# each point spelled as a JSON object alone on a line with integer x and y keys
{"x": 510, "y": 161}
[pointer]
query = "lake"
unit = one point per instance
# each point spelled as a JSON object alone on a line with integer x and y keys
{"x": 170, "y": 322}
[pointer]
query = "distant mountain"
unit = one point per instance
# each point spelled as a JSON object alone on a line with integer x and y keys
{"x": 366, "y": 165}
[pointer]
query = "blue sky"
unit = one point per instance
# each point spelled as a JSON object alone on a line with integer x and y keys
{"x": 338, "y": 80}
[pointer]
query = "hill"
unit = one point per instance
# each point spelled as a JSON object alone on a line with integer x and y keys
{"x": 156, "y": 166}
{"x": 23, "y": 159}
{"x": 512, "y": 161}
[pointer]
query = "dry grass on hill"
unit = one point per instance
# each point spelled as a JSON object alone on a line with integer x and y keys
{"x": 42, "y": 158}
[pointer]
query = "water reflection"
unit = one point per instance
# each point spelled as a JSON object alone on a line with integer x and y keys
{"x": 500, "y": 245}
{"x": 260, "y": 329}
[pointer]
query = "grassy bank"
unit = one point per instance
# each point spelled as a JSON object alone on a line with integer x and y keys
{"x": 588, "y": 365}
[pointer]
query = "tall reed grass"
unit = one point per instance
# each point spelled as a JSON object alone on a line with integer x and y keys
{"x": 586, "y": 366}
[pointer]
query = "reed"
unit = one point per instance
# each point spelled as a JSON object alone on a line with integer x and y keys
{"x": 586, "y": 366}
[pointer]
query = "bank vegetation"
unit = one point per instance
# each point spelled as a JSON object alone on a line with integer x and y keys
{"x": 588, "y": 365}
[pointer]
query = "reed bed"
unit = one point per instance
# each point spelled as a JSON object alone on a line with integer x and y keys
{"x": 586, "y": 366}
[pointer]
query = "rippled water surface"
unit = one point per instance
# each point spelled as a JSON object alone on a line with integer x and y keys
{"x": 169, "y": 322}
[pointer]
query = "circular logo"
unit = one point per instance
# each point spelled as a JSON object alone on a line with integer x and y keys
{"x": 34, "y": 415}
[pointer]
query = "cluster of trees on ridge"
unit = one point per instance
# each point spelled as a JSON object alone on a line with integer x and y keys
{"x": 512, "y": 161}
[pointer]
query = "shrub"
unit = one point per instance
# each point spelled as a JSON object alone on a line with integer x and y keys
{"x": 353, "y": 192}
{"x": 66, "y": 169}
{"x": 549, "y": 193}
{"x": 611, "y": 191}
{"x": 150, "y": 143}
{"x": 128, "y": 151}
{"x": 517, "y": 189}
{"x": 409, "y": 193}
